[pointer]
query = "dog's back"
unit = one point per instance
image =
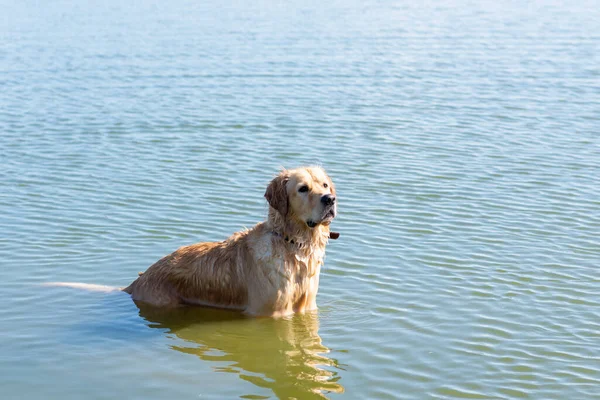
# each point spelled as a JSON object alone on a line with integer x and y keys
{"x": 209, "y": 273}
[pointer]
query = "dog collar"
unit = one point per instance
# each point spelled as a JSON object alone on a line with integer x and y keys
{"x": 332, "y": 235}
{"x": 285, "y": 238}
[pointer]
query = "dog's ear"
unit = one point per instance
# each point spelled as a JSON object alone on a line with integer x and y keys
{"x": 276, "y": 193}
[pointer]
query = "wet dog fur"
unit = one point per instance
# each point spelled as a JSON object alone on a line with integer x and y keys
{"x": 271, "y": 269}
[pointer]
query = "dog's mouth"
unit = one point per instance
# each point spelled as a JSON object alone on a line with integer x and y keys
{"x": 328, "y": 216}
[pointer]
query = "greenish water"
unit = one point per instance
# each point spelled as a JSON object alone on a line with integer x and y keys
{"x": 464, "y": 142}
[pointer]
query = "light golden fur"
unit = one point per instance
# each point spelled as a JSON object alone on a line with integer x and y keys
{"x": 272, "y": 269}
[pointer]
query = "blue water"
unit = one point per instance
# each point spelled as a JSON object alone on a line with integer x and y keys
{"x": 464, "y": 141}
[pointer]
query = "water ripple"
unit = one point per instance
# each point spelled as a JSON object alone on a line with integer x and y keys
{"x": 463, "y": 140}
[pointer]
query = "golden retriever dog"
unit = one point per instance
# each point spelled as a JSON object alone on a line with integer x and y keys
{"x": 269, "y": 270}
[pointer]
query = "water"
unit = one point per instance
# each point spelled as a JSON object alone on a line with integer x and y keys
{"x": 464, "y": 142}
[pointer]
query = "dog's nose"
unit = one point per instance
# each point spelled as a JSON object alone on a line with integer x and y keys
{"x": 328, "y": 199}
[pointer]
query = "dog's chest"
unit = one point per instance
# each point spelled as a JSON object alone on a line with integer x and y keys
{"x": 293, "y": 276}
{"x": 301, "y": 280}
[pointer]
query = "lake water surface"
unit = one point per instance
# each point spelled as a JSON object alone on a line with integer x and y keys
{"x": 464, "y": 139}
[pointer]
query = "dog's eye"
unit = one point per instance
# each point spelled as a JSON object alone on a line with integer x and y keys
{"x": 325, "y": 185}
{"x": 303, "y": 189}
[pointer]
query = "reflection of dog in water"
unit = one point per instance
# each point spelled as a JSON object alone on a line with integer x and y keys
{"x": 283, "y": 355}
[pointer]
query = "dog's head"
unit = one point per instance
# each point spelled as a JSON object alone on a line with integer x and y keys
{"x": 306, "y": 194}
